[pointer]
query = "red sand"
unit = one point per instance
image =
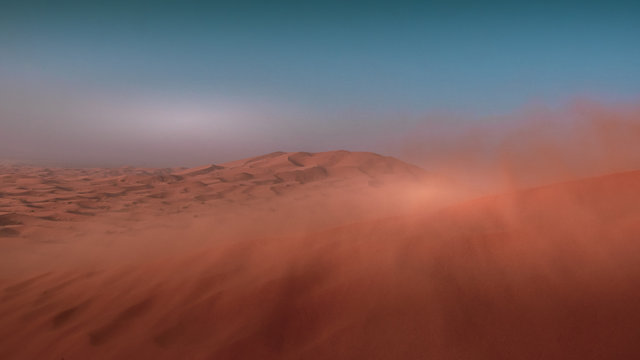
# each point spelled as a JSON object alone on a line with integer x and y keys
{"x": 281, "y": 257}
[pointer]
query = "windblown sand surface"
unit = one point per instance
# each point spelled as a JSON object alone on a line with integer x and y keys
{"x": 314, "y": 256}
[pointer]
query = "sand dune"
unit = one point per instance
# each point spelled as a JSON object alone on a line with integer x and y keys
{"x": 314, "y": 256}
{"x": 86, "y": 212}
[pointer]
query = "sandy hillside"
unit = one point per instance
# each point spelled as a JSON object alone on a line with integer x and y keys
{"x": 57, "y": 217}
{"x": 314, "y": 256}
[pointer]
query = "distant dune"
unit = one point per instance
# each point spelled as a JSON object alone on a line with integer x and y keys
{"x": 87, "y": 216}
{"x": 335, "y": 255}
{"x": 69, "y": 194}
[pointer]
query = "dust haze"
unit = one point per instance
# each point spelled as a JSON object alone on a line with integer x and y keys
{"x": 510, "y": 240}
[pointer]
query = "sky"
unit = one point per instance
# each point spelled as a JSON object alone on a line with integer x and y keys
{"x": 165, "y": 83}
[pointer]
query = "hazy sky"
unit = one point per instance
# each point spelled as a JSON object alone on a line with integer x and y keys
{"x": 165, "y": 83}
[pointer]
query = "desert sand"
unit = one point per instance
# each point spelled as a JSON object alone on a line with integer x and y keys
{"x": 336, "y": 255}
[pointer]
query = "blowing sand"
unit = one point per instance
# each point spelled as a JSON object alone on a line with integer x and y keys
{"x": 333, "y": 255}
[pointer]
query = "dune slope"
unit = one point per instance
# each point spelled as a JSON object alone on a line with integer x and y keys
{"x": 545, "y": 273}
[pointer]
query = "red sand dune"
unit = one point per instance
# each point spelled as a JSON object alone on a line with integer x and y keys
{"x": 314, "y": 256}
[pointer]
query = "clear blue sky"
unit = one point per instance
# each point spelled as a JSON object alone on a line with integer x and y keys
{"x": 132, "y": 78}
